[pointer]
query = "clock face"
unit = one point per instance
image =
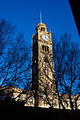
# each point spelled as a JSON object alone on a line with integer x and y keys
{"x": 45, "y": 37}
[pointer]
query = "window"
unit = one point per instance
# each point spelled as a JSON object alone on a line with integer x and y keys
{"x": 42, "y": 29}
{"x": 31, "y": 100}
{"x": 51, "y": 85}
{"x": 45, "y": 59}
{"x": 47, "y": 48}
{"x": 43, "y": 47}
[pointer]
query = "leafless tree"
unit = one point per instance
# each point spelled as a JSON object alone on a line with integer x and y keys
{"x": 15, "y": 60}
{"x": 67, "y": 70}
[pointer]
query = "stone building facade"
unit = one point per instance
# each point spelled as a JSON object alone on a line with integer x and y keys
{"x": 42, "y": 63}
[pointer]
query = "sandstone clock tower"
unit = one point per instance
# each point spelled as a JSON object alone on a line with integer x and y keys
{"x": 42, "y": 62}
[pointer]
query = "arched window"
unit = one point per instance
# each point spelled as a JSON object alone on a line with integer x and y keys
{"x": 42, "y": 29}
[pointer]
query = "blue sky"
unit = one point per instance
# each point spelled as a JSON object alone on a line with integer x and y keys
{"x": 25, "y": 14}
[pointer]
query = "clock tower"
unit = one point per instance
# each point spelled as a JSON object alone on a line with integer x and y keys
{"x": 42, "y": 63}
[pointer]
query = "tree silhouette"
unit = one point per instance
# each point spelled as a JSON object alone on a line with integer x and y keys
{"x": 15, "y": 63}
{"x": 67, "y": 70}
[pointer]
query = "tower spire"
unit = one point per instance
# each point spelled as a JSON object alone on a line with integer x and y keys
{"x": 40, "y": 17}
